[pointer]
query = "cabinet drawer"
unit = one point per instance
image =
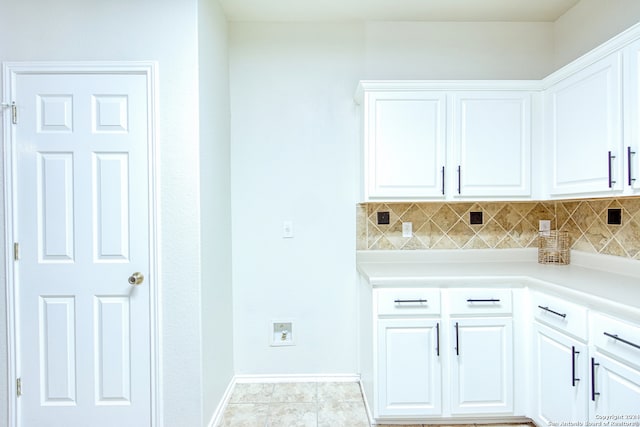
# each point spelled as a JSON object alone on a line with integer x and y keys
{"x": 480, "y": 301}
{"x": 619, "y": 338}
{"x": 407, "y": 301}
{"x": 562, "y": 315}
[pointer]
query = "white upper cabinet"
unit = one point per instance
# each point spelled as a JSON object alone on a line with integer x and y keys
{"x": 491, "y": 141}
{"x": 584, "y": 130}
{"x": 430, "y": 141}
{"x": 631, "y": 152}
{"x": 405, "y": 144}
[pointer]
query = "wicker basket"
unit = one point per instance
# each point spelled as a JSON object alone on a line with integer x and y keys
{"x": 553, "y": 247}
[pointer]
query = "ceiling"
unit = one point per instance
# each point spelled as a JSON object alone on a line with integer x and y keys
{"x": 395, "y": 10}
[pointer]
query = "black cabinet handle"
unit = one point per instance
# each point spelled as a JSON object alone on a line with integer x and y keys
{"x": 443, "y": 180}
{"x": 457, "y": 342}
{"x": 437, "y": 339}
{"x": 611, "y": 181}
{"x": 484, "y": 300}
{"x": 553, "y": 312}
{"x": 593, "y": 379}
{"x": 459, "y": 180}
{"x": 400, "y": 301}
{"x": 617, "y": 338}
{"x": 573, "y": 366}
{"x": 630, "y": 180}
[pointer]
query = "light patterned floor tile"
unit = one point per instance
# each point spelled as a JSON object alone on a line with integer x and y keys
{"x": 342, "y": 414}
{"x": 245, "y": 415}
{"x": 339, "y": 392}
{"x": 293, "y": 415}
{"x": 295, "y": 392}
{"x": 252, "y": 393}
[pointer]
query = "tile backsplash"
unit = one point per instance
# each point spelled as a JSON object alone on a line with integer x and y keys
{"x": 447, "y": 225}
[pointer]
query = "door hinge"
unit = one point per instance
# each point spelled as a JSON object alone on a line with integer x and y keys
{"x": 19, "y": 387}
{"x": 16, "y": 251}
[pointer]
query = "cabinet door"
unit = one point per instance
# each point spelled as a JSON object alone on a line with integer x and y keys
{"x": 632, "y": 116}
{"x": 561, "y": 377}
{"x": 482, "y": 369}
{"x": 584, "y": 130}
{"x": 615, "y": 389}
{"x": 409, "y": 372}
{"x": 404, "y": 145}
{"x": 492, "y": 144}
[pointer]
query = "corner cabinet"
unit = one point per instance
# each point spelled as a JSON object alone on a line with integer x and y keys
{"x": 426, "y": 141}
{"x": 584, "y": 130}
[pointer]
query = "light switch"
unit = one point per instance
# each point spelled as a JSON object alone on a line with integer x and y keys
{"x": 287, "y": 230}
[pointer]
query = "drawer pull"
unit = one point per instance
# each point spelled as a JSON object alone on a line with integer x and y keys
{"x": 415, "y": 301}
{"x": 437, "y": 339}
{"x": 593, "y": 379}
{"x": 573, "y": 366}
{"x": 484, "y": 300}
{"x": 615, "y": 337}
{"x": 554, "y": 312}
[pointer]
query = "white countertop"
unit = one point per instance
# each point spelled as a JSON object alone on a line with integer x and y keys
{"x": 595, "y": 280}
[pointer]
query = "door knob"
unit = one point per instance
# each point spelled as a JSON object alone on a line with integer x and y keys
{"x": 136, "y": 278}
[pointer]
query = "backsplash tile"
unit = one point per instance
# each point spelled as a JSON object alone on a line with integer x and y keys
{"x": 446, "y": 225}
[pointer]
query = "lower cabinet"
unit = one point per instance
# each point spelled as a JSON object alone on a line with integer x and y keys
{"x": 431, "y": 364}
{"x": 615, "y": 390}
{"x": 409, "y": 372}
{"x": 482, "y": 369}
{"x": 560, "y": 377}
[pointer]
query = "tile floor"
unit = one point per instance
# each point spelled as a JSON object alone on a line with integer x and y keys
{"x": 330, "y": 404}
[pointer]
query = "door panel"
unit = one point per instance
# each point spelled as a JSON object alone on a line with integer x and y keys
{"x": 82, "y": 221}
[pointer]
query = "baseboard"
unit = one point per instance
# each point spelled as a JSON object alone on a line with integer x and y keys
{"x": 285, "y": 378}
{"x": 491, "y": 421}
{"x": 297, "y": 378}
{"x": 216, "y": 418}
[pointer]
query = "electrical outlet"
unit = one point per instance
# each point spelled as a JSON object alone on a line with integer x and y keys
{"x": 407, "y": 229}
{"x": 544, "y": 227}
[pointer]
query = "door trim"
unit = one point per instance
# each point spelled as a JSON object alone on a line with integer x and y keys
{"x": 10, "y": 71}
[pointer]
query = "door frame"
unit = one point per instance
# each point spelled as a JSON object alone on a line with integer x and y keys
{"x": 10, "y": 71}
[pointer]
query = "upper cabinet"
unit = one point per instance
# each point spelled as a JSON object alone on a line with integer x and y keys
{"x": 491, "y": 144}
{"x": 405, "y": 144}
{"x": 575, "y": 133}
{"x": 584, "y": 130}
{"x": 432, "y": 142}
{"x": 631, "y": 149}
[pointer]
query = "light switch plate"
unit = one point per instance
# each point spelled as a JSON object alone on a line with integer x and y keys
{"x": 287, "y": 229}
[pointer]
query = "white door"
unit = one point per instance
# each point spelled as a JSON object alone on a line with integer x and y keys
{"x": 561, "y": 377}
{"x": 482, "y": 372}
{"x": 82, "y": 223}
{"x": 409, "y": 371}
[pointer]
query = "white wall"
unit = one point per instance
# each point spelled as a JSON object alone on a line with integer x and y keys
{"x": 294, "y": 156}
{"x": 215, "y": 206}
{"x": 458, "y": 50}
{"x": 165, "y": 31}
{"x": 589, "y": 24}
